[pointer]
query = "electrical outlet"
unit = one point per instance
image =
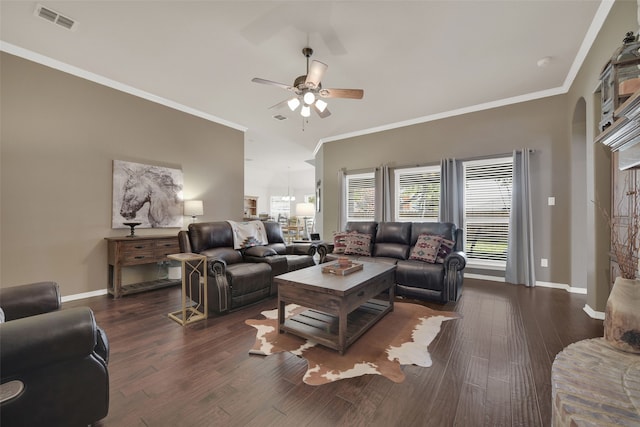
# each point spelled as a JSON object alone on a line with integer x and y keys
{"x": 544, "y": 262}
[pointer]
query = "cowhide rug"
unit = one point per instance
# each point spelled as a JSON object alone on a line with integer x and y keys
{"x": 399, "y": 338}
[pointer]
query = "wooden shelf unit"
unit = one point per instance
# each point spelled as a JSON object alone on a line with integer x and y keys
{"x": 138, "y": 250}
{"x": 251, "y": 207}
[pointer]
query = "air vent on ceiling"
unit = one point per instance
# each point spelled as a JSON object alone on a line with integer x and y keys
{"x": 56, "y": 18}
{"x": 279, "y": 117}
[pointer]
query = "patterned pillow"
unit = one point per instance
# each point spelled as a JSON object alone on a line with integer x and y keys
{"x": 339, "y": 242}
{"x": 446, "y": 246}
{"x": 358, "y": 244}
{"x": 426, "y": 248}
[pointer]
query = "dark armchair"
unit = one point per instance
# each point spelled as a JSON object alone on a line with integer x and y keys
{"x": 53, "y": 363}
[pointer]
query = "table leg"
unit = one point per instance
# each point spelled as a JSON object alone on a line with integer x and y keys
{"x": 342, "y": 330}
{"x": 281, "y": 319}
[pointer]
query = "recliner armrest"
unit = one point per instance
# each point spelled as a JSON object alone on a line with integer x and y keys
{"x": 32, "y": 342}
{"x": 29, "y": 300}
{"x": 457, "y": 260}
{"x": 216, "y": 266}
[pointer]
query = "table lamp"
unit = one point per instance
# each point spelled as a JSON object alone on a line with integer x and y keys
{"x": 193, "y": 208}
{"x": 306, "y": 211}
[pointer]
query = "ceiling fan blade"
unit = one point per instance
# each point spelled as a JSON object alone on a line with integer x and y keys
{"x": 272, "y": 83}
{"x": 342, "y": 93}
{"x": 322, "y": 114}
{"x": 316, "y": 71}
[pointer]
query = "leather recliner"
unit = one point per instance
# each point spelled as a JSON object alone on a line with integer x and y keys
{"x": 53, "y": 363}
{"x": 238, "y": 277}
{"x": 392, "y": 242}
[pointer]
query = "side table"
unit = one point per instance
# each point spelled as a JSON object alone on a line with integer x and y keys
{"x": 191, "y": 264}
{"x": 594, "y": 384}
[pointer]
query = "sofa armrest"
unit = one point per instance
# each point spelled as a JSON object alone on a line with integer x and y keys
{"x": 36, "y": 341}
{"x": 216, "y": 267}
{"x": 29, "y": 300}
{"x": 455, "y": 261}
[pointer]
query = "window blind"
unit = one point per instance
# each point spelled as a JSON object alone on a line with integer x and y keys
{"x": 361, "y": 195}
{"x": 417, "y": 193}
{"x": 487, "y": 205}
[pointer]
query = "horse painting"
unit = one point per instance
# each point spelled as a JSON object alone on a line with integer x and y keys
{"x": 147, "y": 194}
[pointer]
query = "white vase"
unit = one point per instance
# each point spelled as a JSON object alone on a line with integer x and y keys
{"x": 622, "y": 316}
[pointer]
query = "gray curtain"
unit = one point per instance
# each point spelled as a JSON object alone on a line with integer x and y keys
{"x": 520, "y": 260}
{"x": 451, "y": 192}
{"x": 383, "y": 194}
{"x": 342, "y": 191}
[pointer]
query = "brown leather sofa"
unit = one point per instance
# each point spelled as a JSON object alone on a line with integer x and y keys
{"x": 393, "y": 242}
{"x": 53, "y": 363}
{"x": 240, "y": 277}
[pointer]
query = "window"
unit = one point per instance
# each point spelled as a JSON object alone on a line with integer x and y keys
{"x": 280, "y": 206}
{"x": 417, "y": 193}
{"x": 360, "y": 196}
{"x": 487, "y": 204}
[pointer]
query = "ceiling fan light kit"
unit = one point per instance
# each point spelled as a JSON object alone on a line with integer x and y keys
{"x": 308, "y": 89}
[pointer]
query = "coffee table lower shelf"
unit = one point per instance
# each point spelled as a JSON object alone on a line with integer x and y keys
{"x": 322, "y": 328}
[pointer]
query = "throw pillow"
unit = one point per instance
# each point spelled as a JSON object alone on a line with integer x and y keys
{"x": 446, "y": 246}
{"x": 1, "y": 316}
{"x": 358, "y": 244}
{"x": 426, "y": 248}
{"x": 339, "y": 242}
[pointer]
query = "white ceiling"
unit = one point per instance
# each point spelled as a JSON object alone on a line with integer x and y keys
{"x": 415, "y": 60}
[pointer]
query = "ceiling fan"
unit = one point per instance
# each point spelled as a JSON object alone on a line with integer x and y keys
{"x": 308, "y": 89}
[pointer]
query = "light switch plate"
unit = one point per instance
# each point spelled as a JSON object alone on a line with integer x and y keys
{"x": 544, "y": 262}
{"x": 552, "y": 201}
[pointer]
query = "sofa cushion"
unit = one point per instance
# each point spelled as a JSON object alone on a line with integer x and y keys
{"x": 339, "y": 242}
{"x": 363, "y": 227}
{"x": 426, "y": 248}
{"x": 393, "y": 240}
{"x": 358, "y": 244}
{"x": 445, "y": 229}
{"x": 446, "y": 246}
{"x": 260, "y": 251}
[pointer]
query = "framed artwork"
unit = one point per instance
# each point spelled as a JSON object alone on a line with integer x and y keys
{"x": 150, "y": 195}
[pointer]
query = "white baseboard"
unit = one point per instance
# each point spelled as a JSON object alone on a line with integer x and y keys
{"x": 571, "y": 289}
{"x": 484, "y": 277}
{"x": 84, "y": 295}
{"x": 592, "y": 313}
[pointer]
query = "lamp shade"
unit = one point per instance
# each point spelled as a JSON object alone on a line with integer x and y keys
{"x": 193, "y": 208}
{"x": 305, "y": 209}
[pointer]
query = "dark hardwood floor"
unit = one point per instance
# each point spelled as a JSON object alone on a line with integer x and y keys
{"x": 492, "y": 367}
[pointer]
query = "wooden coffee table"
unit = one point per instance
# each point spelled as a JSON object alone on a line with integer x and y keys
{"x": 340, "y": 308}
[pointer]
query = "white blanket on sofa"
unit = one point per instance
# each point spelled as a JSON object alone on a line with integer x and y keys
{"x": 247, "y": 234}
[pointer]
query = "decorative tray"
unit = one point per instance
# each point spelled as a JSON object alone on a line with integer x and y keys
{"x": 334, "y": 268}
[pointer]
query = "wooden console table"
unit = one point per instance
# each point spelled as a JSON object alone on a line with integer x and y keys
{"x": 128, "y": 251}
{"x": 594, "y": 384}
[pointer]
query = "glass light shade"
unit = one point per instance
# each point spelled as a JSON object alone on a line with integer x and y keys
{"x": 309, "y": 98}
{"x": 305, "y": 111}
{"x": 321, "y": 105}
{"x": 305, "y": 209}
{"x": 193, "y": 208}
{"x": 293, "y": 103}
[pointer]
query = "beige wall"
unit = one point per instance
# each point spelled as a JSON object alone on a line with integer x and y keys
{"x": 537, "y": 125}
{"x": 59, "y": 136}
{"x": 595, "y": 236}
{"x": 566, "y": 165}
